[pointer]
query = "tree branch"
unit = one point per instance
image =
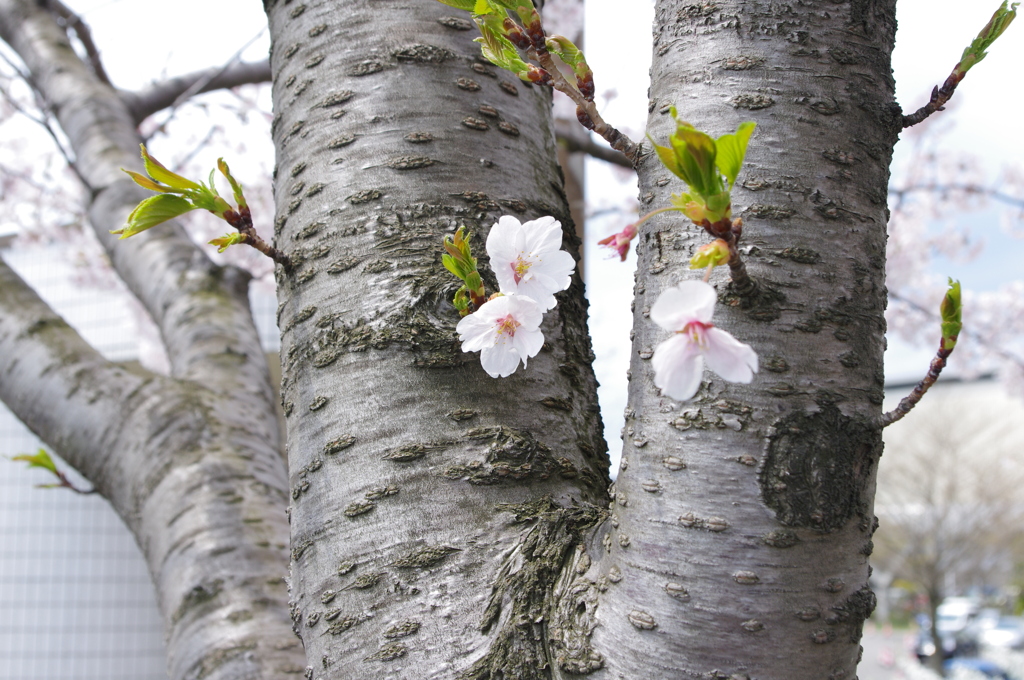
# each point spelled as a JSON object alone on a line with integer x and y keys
{"x": 162, "y": 95}
{"x": 934, "y": 187}
{"x": 937, "y": 101}
{"x": 38, "y": 348}
{"x": 71, "y": 20}
{"x": 202, "y": 310}
{"x": 911, "y": 400}
{"x": 575, "y": 141}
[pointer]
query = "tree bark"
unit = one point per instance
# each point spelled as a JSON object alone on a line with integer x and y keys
{"x": 412, "y": 471}
{"x": 742, "y": 521}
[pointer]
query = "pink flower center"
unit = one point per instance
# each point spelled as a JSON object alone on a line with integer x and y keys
{"x": 520, "y": 267}
{"x": 507, "y": 325}
{"x": 696, "y": 330}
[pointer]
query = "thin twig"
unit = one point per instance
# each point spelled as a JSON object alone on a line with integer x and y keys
{"x": 583, "y": 144}
{"x": 198, "y": 86}
{"x": 966, "y": 188}
{"x": 198, "y": 147}
{"x": 44, "y": 122}
{"x": 65, "y": 483}
{"x": 586, "y": 111}
{"x": 242, "y": 221}
{"x": 81, "y": 29}
{"x": 940, "y": 95}
{"x": 910, "y": 401}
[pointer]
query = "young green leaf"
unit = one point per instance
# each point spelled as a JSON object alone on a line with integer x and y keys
{"x": 732, "y": 149}
{"x": 157, "y": 171}
{"x": 695, "y": 156}
{"x": 951, "y": 310}
{"x": 153, "y": 211}
{"x": 976, "y": 51}
{"x": 224, "y": 242}
{"x": 236, "y": 188}
{"x": 147, "y": 183}
{"x": 40, "y": 459}
{"x": 467, "y": 5}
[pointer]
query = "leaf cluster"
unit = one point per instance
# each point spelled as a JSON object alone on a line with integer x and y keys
{"x": 708, "y": 166}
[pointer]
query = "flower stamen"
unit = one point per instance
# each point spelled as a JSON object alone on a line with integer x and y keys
{"x": 519, "y": 268}
{"x": 507, "y": 325}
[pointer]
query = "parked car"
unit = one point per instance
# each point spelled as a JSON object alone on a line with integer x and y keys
{"x": 986, "y": 668}
{"x": 959, "y": 643}
{"x": 1007, "y": 632}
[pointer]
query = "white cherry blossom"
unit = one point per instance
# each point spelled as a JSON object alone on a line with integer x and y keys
{"x": 504, "y": 330}
{"x": 527, "y": 258}
{"x": 679, "y": 361}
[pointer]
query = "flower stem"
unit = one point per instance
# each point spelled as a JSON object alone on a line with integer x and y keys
{"x": 651, "y": 214}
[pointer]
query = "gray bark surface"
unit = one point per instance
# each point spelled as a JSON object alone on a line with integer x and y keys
{"x": 192, "y": 462}
{"x": 391, "y": 133}
{"x": 742, "y": 520}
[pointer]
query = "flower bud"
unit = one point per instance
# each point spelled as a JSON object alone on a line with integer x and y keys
{"x": 711, "y": 255}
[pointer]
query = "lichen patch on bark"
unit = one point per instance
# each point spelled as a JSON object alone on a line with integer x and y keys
{"x": 817, "y": 468}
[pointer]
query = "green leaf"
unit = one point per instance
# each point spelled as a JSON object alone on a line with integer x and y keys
{"x": 452, "y": 265}
{"x": 732, "y": 149}
{"x": 157, "y": 171}
{"x": 976, "y": 51}
{"x": 236, "y": 188}
{"x": 482, "y": 7}
{"x": 153, "y": 211}
{"x": 40, "y": 459}
{"x": 474, "y": 282}
{"x": 695, "y": 155}
{"x": 228, "y": 240}
{"x": 147, "y": 183}
{"x": 719, "y": 206}
{"x": 461, "y": 301}
{"x": 467, "y": 5}
{"x": 668, "y": 158}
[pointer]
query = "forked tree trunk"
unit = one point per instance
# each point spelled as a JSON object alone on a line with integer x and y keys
{"x": 449, "y": 525}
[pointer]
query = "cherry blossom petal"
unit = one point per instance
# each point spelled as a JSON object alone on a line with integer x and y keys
{"x": 476, "y": 332}
{"x": 678, "y": 367}
{"x": 505, "y": 243}
{"x": 525, "y": 309}
{"x": 500, "y": 361}
{"x": 687, "y": 302}
{"x": 528, "y": 343}
{"x": 543, "y": 234}
{"x": 731, "y": 359}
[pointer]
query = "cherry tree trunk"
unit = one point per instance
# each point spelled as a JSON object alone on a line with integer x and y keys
{"x": 433, "y": 507}
{"x": 742, "y": 520}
